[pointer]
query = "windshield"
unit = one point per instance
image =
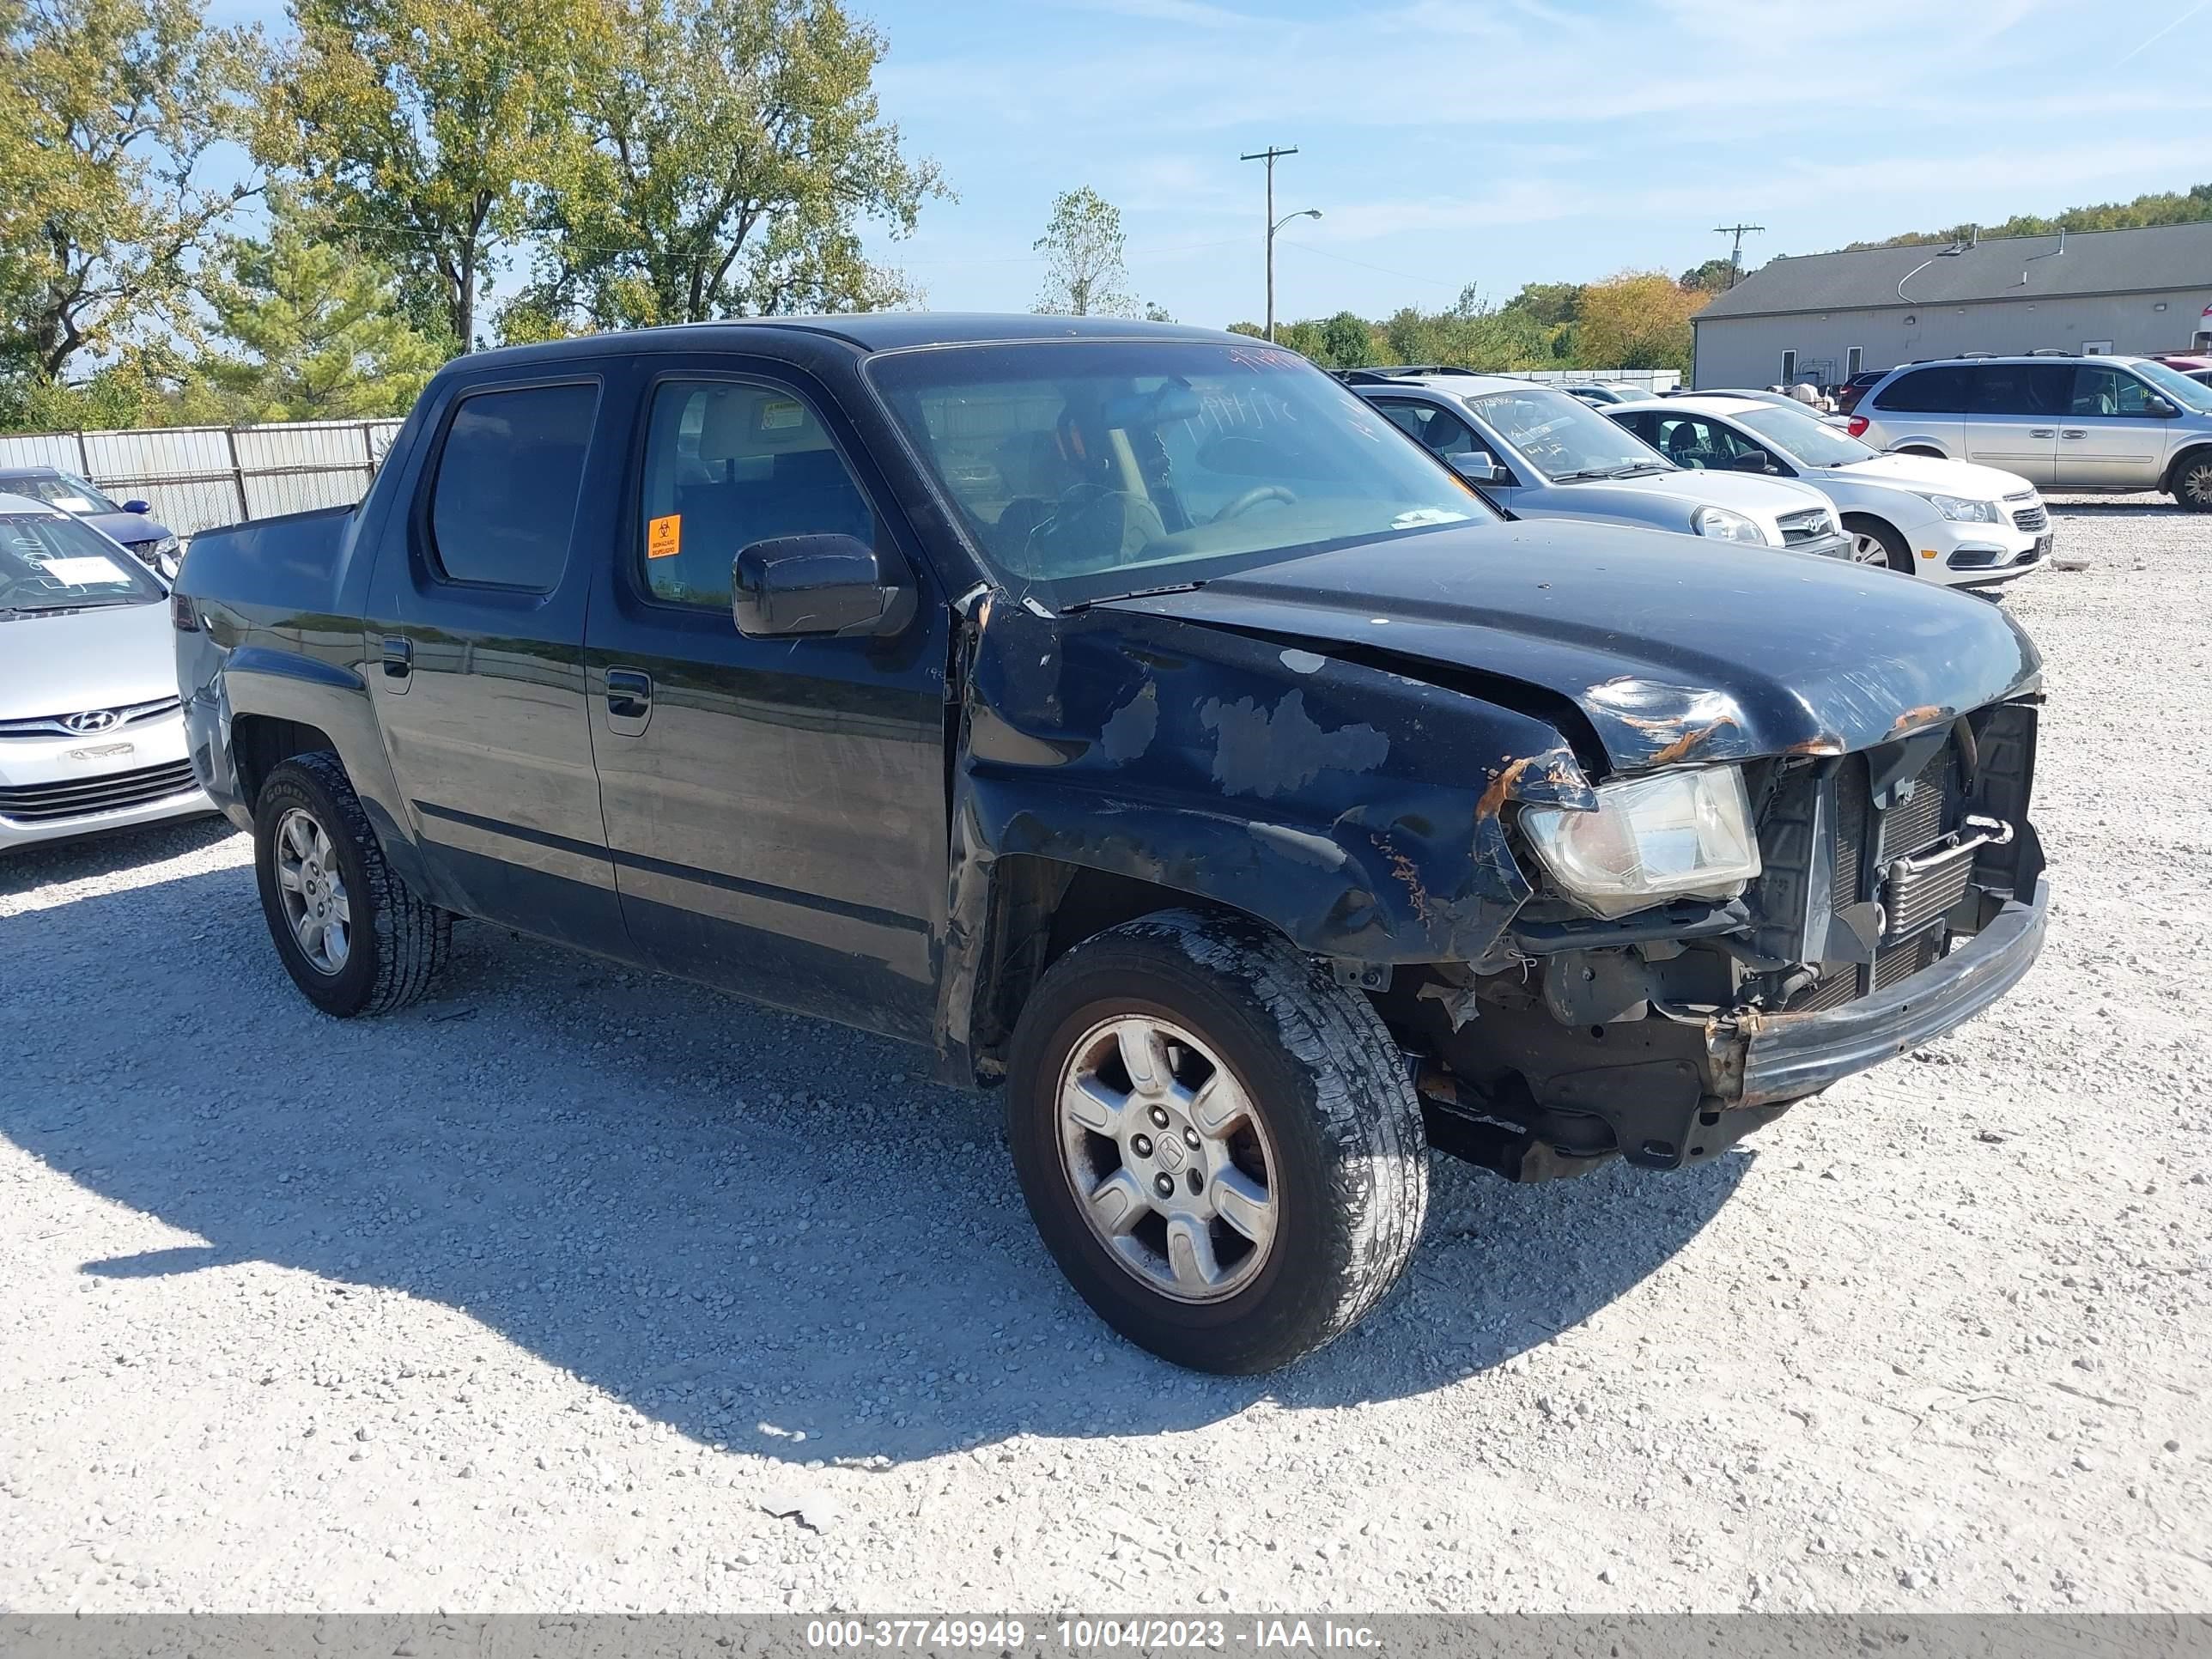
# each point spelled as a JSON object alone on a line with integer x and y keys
{"x": 1805, "y": 439}
{"x": 2189, "y": 394}
{"x": 1085, "y": 469}
{"x": 54, "y": 564}
{"x": 66, "y": 490}
{"x": 1564, "y": 438}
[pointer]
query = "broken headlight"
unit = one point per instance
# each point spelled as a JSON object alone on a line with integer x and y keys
{"x": 1681, "y": 835}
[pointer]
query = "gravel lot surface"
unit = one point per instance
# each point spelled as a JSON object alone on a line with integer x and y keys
{"x": 568, "y": 1288}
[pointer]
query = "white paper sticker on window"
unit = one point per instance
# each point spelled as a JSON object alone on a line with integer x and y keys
{"x": 82, "y": 572}
{"x": 781, "y": 416}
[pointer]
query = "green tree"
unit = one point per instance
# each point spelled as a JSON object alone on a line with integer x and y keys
{"x": 1082, "y": 248}
{"x": 1713, "y": 276}
{"x": 319, "y": 332}
{"x": 730, "y": 151}
{"x": 1549, "y": 305}
{"x": 2165, "y": 207}
{"x": 1346, "y": 342}
{"x": 112, "y": 108}
{"x": 422, "y": 125}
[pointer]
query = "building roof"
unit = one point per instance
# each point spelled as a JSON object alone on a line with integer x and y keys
{"x": 2094, "y": 262}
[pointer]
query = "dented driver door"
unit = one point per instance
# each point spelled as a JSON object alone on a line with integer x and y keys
{"x": 775, "y": 808}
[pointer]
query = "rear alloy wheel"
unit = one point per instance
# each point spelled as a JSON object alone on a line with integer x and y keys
{"x": 1873, "y": 543}
{"x": 1218, "y": 1143}
{"x": 354, "y": 937}
{"x": 2192, "y": 483}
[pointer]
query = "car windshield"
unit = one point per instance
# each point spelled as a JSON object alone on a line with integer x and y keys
{"x": 49, "y": 563}
{"x": 2189, "y": 394}
{"x": 66, "y": 490}
{"x": 1085, "y": 469}
{"x": 1805, "y": 439}
{"x": 1564, "y": 438}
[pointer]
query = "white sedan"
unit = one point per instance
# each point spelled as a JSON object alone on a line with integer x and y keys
{"x": 1948, "y": 522}
{"x": 91, "y": 735}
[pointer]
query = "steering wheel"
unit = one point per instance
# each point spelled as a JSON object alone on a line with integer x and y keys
{"x": 1252, "y": 498}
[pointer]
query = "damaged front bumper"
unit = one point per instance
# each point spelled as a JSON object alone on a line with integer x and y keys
{"x": 1780, "y": 1057}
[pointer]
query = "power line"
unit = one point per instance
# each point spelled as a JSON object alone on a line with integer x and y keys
{"x": 1387, "y": 271}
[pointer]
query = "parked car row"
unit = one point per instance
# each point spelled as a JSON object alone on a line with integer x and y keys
{"x": 1141, "y": 723}
{"x": 1758, "y": 471}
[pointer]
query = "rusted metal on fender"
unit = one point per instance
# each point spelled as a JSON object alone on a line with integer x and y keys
{"x": 1359, "y": 810}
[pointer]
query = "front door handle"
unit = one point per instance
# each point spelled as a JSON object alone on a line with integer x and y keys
{"x": 2073, "y": 432}
{"x": 398, "y": 663}
{"x": 630, "y": 700}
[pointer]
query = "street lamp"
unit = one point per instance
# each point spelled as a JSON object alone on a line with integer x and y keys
{"x": 1303, "y": 213}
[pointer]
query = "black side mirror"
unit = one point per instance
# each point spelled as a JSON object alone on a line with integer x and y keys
{"x": 2159, "y": 408}
{"x": 816, "y": 584}
{"x": 1478, "y": 469}
{"x": 140, "y": 507}
{"x": 1751, "y": 461}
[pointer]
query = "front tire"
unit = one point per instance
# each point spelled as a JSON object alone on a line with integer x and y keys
{"x": 2192, "y": 481}
{"x": 1873, "y": 543}
{"x": 1219, "y": 1144}
{"x": 354, "y": 939}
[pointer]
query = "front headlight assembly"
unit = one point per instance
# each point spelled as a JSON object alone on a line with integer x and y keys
{"x": 1960, "y": 510}
{"x": 1724, "y": 526}
{"x": 1681, "y": 835}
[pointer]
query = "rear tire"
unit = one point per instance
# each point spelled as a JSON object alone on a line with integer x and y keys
{"x": 1258, "y": 1175}
{"x": 1873, "y": 543}
{"x": 354, "y": 939}
{"x": 2192, "y": 481}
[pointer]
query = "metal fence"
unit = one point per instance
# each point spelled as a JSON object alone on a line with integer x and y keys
{"x": 195, "y": 478}
{"x": 1653, "y": 380}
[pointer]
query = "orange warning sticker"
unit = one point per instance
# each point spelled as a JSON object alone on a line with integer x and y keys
{"x": 664, "y": 538}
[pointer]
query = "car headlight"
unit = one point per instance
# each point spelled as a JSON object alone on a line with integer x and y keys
{"x": 167, "y": 544}
{"x": 1681, "y": 835}
{"x": 1960, "y": 510}
{"x": 1724, "y": 526}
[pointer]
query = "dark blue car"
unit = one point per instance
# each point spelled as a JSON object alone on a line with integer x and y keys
{"x": 155, "y": 545}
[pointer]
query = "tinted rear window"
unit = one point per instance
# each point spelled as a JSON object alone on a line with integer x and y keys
{"x": 2020, "y": 388}
{"x": 1927, "y": 392}
{"x": 504, "y": 504}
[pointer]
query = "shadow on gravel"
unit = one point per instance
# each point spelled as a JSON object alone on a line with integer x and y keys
{"x": 749, "y": 1225}
{"x": 113, "y": 853}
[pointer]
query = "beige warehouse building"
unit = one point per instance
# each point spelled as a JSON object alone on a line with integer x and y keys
{"x": 1825, "y": 316}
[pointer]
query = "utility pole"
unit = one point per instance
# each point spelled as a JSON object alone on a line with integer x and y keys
{"x": 1270, "y": 155}
{"x": 1736, "y": 252}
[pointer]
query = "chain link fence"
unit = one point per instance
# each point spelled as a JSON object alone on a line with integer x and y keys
{"x": 195, "y": 478}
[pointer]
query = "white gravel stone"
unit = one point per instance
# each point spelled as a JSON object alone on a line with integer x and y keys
{"x": 524, "y": 1233}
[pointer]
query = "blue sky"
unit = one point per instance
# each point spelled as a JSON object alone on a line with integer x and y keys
{"x": 1500, "y": 142}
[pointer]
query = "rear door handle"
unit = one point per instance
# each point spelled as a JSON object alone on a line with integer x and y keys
{"x": 630, "y": 700}
{"x": 2040, "y": 432}
{"x": 398, "y": 663}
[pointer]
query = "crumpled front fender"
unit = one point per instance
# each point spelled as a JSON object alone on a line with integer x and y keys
{"x": 1358, "y": 810}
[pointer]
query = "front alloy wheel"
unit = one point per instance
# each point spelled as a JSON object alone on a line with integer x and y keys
{"x": 2193, "y": 488}
{"x": 1868, "y": 550}
{"x": 1166, "y": 1158}
{"x": 1219, "y": 1144}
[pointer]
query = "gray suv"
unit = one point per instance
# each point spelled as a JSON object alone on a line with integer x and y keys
{"x": 2119, "y": 424}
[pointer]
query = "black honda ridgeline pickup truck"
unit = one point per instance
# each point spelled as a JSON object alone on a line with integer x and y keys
{"x": 1137, "y": 721}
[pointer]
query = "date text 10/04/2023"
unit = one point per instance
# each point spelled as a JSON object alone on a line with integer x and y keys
{"x": 1088, "y": 1635}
